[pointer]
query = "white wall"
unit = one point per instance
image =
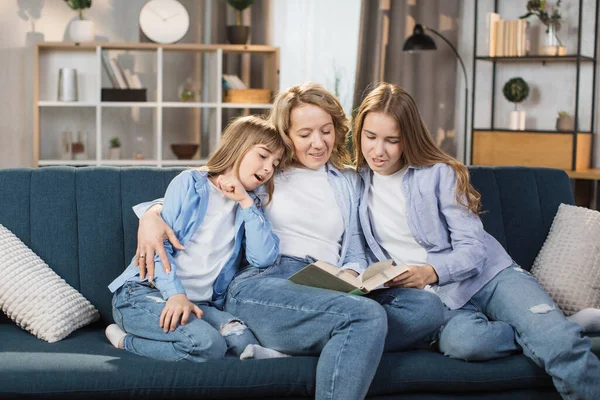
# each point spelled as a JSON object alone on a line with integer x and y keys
{"x": 318, "y": 38}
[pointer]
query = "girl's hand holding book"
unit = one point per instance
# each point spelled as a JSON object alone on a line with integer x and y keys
{"x": 177, "y": 307}
{"x": 417, "y": 276}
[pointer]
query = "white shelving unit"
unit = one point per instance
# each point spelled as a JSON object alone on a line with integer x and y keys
{"x": 99, "y": 120}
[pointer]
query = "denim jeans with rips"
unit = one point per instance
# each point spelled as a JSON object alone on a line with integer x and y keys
{"x": 136, "y": 309}
{"x": 513, "y": 312}
{"x": 348, "y": 331}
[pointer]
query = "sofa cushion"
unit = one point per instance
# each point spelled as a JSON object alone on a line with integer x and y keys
{"x": 568, "y": 265}
{"x": 35, "y": 367}
{"x": 35, "y": 297}
{"x": 86, "y": 365}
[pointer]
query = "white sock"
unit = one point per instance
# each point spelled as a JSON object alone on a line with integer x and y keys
{"x": 588, "y": 318}
{"x": 258, "y": 353}
{"x": 115, "y": 335}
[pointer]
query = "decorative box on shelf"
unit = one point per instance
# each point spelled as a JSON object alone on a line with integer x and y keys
{"x": 261, "y": 96}
{"x": 532, "y": 148}
{"x": 133, "y": 95}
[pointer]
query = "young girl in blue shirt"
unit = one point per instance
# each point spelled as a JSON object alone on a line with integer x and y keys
{"x": 214, "y": 214}
{"x": 419, "y": 208}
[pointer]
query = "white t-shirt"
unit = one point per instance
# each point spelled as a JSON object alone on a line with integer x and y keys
{"x": 209, "y": 249}
{"x": 387, "y": 213}
{"x": 305, "y": 216}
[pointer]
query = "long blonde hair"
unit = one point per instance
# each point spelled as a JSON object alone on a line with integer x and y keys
{"x": 315, "y": 94}
{"x": 238, "y": 138}
{"x": 418, "y": 147}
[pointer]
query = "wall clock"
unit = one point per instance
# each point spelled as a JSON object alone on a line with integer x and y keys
{"x": 164, "y": 21}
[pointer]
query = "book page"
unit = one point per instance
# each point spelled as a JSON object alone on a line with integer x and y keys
{"x": 379, "y": 273}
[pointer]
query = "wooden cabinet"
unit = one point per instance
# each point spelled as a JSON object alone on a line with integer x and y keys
{"x": 532, "y": 149}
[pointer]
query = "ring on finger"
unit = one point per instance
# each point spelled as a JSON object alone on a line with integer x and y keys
{"x": 142, "y": 256}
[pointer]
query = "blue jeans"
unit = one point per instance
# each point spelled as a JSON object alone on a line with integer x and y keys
{"x": 511, "y": 312}
{"x": 347, "y": 331}
{"x": 414, "y": 317}
{"x": 137, "y": 308}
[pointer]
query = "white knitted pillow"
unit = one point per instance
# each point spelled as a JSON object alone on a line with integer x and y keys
{"x": 35, "y": 297}
{"x": 568, "y": 265}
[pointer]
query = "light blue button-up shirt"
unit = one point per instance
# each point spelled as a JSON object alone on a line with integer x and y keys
{"x": 184, "y": 208}
{"x": 464, "y": 256}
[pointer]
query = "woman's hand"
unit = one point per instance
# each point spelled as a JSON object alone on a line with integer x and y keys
{"x": 178, "y": 306}
{"x": 233, "y": 189}
{"x": 152, "y": 232}
{"x": 417, "y": 276}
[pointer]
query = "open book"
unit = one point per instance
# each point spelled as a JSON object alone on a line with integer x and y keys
{"x": 326, "y": 276}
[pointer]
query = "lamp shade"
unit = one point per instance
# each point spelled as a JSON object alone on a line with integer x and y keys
{"x": 419, "y": 40}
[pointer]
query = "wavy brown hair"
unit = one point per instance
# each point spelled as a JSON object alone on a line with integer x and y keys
{"x": 418, "y": 147}
{"x": 315, "y": 94}
{"x": 238, "y": 138}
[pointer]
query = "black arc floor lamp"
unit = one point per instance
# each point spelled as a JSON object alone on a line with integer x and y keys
{"x": 420, "y": 41}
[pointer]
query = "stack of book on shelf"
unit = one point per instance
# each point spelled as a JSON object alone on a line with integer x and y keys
{"x": 126, "y": 84}
{"x": 507, "y": 38}
{"x": 236, "y": 91}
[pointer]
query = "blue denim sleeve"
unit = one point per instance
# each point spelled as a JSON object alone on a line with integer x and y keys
{"x": 466, "y": 234}
{"x": 140, "y": 209}
{"x": 262, "y": 245}
{"x": 356, "y": 255}
{"x": 179, "y": 189}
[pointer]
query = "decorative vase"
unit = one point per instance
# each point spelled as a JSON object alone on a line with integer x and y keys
{"x": 114, "y": 153}
{"x": 552, "y": 44}
{"x": 517, "y": 120}
{"x": 238, "y": 34}
{"x": 82, "y": 31}
{"x": 564, "y": 123}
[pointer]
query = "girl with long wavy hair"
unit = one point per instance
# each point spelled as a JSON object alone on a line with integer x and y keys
{"x": 419, "y": 208}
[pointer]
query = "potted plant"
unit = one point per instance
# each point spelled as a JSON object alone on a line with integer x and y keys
{"x": 564, "y": 122}
{"x": 516, "y": 90}
{"x": 114, "y": 148}
{"x": 550, "y": 16}
{"x": 81, "y": 30}
{"x": 238, "y": 33}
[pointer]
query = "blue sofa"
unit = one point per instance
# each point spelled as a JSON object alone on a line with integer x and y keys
{"x": 79, "y": 220}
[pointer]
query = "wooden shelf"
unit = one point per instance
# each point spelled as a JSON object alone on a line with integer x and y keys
{"x": 530, "y": 131}
{"x": 156, "y": 129}
{"x": 226, "y": 48}
{"x": 246, "y": 105}
{"x": 182, "y": 104}
{"x": 591, "y": 174}
{"x": 543, "y": 59}
{"x": 46, "y": 103}
{"x": 126, "y": 104}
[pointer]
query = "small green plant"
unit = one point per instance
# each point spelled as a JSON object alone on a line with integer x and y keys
{"x": 563, "y": 114}
{"x": 516, "y": 90}
{"x": 540, "y": 9}
{"x": 79, "y": 6}
{"x": 114, "y": 142}
{"x": 239, "y": 5}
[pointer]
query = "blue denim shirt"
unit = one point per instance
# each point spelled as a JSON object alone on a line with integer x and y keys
{"x": 184, "y": 208}
{"x": 347, "y": 189}
{"x": 463, "y": 254}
